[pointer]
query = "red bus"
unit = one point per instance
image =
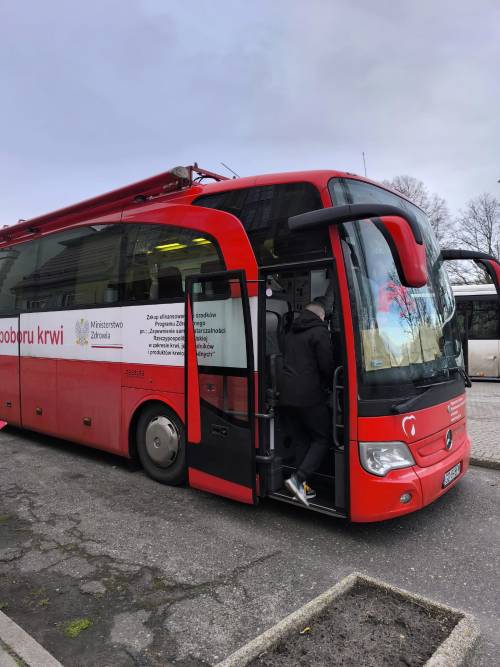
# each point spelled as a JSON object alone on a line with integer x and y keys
{"x": 149, "y": 322}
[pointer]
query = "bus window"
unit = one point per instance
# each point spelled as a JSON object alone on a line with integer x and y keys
{"x": 350, "y": 191}
{"x": 158, "y": 258}
{"x": 17, "y": 264}
{"x": 484, "y": 320}
{"x": 479, "y": 322}
{"x": 264, "y": 213}
{"x": 77, "y": 267}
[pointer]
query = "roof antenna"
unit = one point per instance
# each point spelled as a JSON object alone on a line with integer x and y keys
{"x": 235, "y": 175}
{"x": 364, "y": 162}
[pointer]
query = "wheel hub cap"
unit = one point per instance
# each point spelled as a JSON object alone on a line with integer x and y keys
{"x": 162, "y": 441}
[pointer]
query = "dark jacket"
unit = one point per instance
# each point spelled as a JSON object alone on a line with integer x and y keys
{"x": 308, "y": 362}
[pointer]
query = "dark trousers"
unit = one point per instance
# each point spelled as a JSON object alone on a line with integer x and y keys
{"x": 312, "y": 432}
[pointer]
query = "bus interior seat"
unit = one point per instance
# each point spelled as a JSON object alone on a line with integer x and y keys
{"x": 282, "y": 307}
{"x": 277, "y": 305}
{"x": 211, "y": 267}
{"x": 217, "y": 288}
{"x": 170, "y": 283}
{"x": 139, "y": 289}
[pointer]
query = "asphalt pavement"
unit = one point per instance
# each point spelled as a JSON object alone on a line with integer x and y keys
{"x": 103, "y": 566}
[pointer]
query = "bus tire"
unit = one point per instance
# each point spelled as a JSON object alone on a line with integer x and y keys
{"x": 161, "y": 444}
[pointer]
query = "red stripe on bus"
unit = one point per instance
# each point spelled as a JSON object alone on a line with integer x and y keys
{"x": 109, "y": 347}
{"x": 221, "y": 487}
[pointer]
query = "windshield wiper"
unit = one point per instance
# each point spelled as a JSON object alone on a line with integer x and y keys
{"x": 465, "y": 376}
{"x": 407, "y": 404}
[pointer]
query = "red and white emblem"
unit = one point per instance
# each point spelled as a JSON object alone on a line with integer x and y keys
{"x": 409, "y": 426}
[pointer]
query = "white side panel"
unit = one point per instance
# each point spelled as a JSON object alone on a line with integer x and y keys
{"x": 133, "y": 334}
{"x": 95, "y": 334}
{"x": 9, "y": 337}
{"x": 483, "y": 358}
{"x": 154, "y": 334}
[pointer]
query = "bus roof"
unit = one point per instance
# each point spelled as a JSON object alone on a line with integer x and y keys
{"x": 179, "y": 181}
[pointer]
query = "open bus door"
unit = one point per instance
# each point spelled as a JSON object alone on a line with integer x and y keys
{"x": 490, "y": 350}
{"x": 219, "y": 381}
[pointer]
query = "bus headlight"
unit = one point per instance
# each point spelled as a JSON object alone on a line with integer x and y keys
{"x": 378, "y": 458}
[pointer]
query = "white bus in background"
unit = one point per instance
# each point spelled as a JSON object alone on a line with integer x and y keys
{"x": 478, "y": 318}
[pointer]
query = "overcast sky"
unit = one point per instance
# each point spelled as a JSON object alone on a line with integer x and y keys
{"x": 98, "y": 94}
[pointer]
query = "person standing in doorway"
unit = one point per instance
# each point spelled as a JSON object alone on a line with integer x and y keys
{"x": 307, "y": 376}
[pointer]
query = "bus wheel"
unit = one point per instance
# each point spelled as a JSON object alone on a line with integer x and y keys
{"x": 161, "y": 445}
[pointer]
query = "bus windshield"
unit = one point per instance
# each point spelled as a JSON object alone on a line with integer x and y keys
{"x": 407, "y": 336}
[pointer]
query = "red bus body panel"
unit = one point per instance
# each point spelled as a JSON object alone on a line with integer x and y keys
{"x": 424, "y": 431}
{"x": 221, "y": 487}
{"x": 10, "y": 407}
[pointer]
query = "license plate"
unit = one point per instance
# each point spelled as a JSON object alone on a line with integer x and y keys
{"x": 451, "y": 474}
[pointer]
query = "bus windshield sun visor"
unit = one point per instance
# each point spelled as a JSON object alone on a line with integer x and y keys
{"x": 400, "y": 228}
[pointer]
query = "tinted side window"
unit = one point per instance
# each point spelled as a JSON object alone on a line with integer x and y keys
{"x": 17, "y": 264}
{"x": 349, "y": 191}
{"x": 158, "y": 259}
{"x": 77, "y": 267}
{"x": 264, "y": 212}
{"x": 484, "y": 321}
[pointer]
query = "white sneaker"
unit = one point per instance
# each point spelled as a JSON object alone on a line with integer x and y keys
{"x": 297, "y": 489}
{"x": 310, "y": 493}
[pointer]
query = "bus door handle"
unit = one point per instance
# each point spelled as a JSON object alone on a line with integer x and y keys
{"x": 338, "y": 395}
{"x": 219, "y": 430}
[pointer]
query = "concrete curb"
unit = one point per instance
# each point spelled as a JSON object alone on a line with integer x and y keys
{"x": 24, "y": 645}
{"x": 485, "y": 463}
{"x": 458, "y": 650}
{"x": 6, "y": 660}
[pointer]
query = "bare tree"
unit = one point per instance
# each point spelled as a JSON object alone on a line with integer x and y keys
{"x": 410, "y": 187}
{"x": 431, "y": 203}
{"x": 477, "y": 227}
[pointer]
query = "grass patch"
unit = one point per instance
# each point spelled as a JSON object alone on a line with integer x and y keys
{"x": 37, "y": 592}
{"x": 159, "y": 584}
{"x": 3, "y": 605}
{"x": 5, "y": 517}
{"x": 74, "y": 627}
{"x": 19, "y": 661}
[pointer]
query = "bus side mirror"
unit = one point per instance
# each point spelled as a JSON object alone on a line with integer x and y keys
{"x": 488, "y": 262}
{"x": 400, "y": 229}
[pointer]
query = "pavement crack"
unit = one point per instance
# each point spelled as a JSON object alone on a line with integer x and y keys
{"x": 178, "y": 592}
